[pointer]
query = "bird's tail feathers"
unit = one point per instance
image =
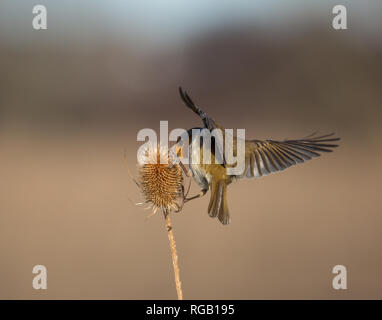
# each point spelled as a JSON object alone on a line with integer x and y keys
{"x": 218, "y": 206}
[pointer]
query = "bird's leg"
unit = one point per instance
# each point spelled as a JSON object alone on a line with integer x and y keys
{"x": 179, "y": 207}
{"x": 199, "y": 195}
{"x": 188, "y": 174}
{"x": 185, "y": 199}
{"x": 186, "y": 171}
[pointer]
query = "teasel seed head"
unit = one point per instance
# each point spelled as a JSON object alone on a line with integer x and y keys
{"x": 161, "y": 183}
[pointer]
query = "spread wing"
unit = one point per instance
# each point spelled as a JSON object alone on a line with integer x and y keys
{"x": 265, "y": 157}
{"x": 268, "y": 156}
{"x": 208, "y": 122}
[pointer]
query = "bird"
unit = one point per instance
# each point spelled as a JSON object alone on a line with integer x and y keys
{"x": 262, "y": 157}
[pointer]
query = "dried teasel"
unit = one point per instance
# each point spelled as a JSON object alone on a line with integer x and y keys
{"x": 161, "y": 184}
{"x": 162, "y": 187}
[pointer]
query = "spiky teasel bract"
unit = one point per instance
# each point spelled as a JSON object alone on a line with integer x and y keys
{"x": 161, "y": 183}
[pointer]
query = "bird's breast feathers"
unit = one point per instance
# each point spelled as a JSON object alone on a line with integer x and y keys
{"x": 201, "y": 177}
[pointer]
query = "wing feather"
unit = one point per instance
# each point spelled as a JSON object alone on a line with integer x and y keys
{"x": 269, "y": 156}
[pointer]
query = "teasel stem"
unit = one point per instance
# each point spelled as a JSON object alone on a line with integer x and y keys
{"x": 174, "y": 255}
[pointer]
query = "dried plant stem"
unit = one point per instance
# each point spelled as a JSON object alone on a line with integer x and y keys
{"x": 174, "y": 255}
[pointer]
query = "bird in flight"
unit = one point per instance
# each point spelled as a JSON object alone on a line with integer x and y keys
{"x": 262, "y": 157}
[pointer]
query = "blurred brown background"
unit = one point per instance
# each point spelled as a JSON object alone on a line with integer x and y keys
{"x": 73, "y": 97}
